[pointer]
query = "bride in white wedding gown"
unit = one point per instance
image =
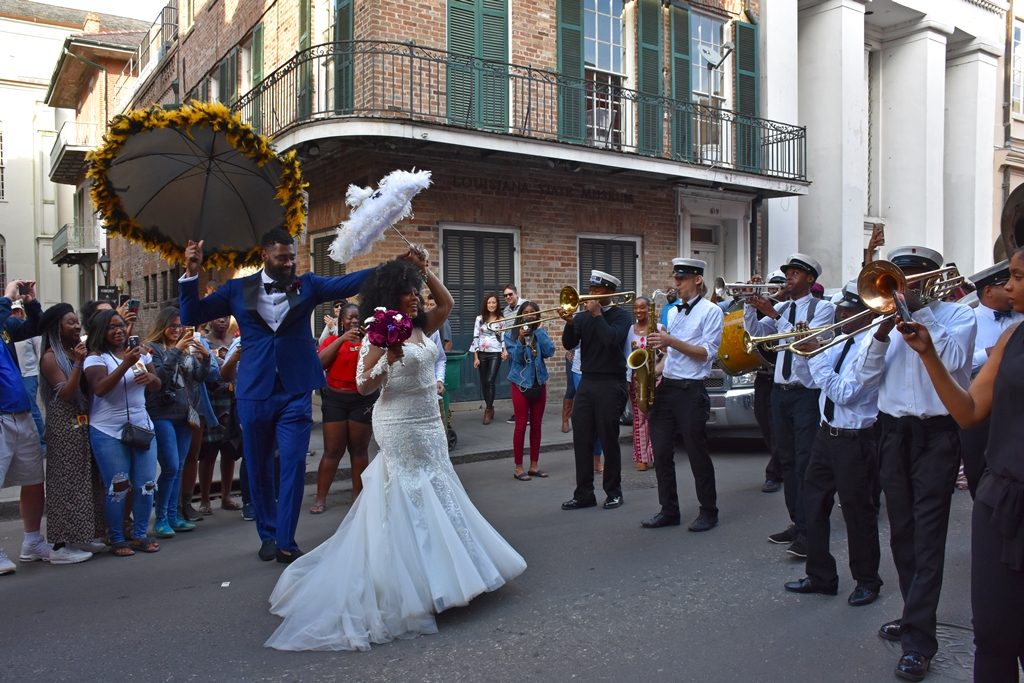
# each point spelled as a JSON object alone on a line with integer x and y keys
{"x": 412, "y": 544}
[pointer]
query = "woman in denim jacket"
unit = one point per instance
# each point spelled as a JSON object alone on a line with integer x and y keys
{"x": 527, "y": 348}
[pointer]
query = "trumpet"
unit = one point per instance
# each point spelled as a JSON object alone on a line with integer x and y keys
{"x": 739, "y": 290}
{"x": 568, "y": 300}
{"x": 780, "y": 340}
{"x": 878, "y": 284}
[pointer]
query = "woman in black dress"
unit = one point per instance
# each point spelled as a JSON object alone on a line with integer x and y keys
{"x": 997, "y": 525}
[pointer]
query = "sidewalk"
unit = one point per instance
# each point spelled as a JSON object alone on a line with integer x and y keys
{"x": 476, "y": 442}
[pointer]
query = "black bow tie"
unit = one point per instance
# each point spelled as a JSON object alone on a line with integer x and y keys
{"x": 1002, "y": 314}
{"x": 282, "y": 287}
{"x": 684, "y": 307}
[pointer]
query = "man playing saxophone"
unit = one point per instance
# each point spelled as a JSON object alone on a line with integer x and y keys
{"x": 682, "y": 406}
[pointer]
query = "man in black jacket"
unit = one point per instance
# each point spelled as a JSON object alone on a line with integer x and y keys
{"x": 601, "y": 330}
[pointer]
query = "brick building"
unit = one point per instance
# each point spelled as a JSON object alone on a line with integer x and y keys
{"x": 562, "y": 135}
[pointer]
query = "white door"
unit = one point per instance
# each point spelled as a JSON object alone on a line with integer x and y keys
{"x": 704, "y": 246}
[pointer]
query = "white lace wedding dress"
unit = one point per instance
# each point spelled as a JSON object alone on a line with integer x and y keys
{"x": 411, "y": 546}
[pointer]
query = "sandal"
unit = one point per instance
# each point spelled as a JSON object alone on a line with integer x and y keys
{"x": 144, "y": 545}
{"x": 537, "y": 473}
{"x": 229, "y": 505}
{"x": 317, "y": 508}
{"x": 205, "y": 509}
{"x": 522, "y": 476}
{"x": 121, "y": 550}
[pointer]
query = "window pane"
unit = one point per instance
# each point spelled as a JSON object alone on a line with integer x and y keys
{"x": 590, "y": 53}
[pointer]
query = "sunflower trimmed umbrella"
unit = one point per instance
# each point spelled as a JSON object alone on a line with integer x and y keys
{"x": 163, "y": 177}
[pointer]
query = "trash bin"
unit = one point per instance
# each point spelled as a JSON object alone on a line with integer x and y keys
{"x": 452, "y": 380}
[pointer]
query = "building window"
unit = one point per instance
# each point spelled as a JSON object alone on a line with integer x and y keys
{"x": 602, "y": 50}
{"x": 163, "y": 286}
{"x": 1017, "y": 77}
{"x": 324, "y": 265}
{"x": 614, "y": 256}
{"x": 706, "y": 85}
{"x": 2, "y": 167}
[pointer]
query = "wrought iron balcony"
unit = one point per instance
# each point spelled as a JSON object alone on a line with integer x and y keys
{"x": 399, "y": 81}
{"x": 67, "y": 156}
{"x": 75, "y": 244}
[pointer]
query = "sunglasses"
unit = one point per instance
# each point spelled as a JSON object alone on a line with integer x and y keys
{"x": 509, "y": 295}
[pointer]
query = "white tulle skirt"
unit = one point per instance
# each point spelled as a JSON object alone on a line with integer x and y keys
{"x": 412, "y": 545}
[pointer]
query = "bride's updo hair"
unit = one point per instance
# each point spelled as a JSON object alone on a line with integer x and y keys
{"x": 387, "y": 284}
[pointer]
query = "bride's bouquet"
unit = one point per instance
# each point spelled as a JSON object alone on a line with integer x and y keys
{"x": 387, "y": 328}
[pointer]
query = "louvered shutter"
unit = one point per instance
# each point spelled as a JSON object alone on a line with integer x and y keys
{"x": 615, "y": 257}
{"x": 462, "y": 50}
{"x": 682, "y": 113}
{"x": 571, "y": 92}
{"x": 343, "y": 67}
{"x": 649, "y": 77}
{"x": 493, "y": 47}
{"x": 304, "y": 93}
{"x": 324, "y": 265}
{"x": 748, "y": 143}
{"x": 257, "y": 76}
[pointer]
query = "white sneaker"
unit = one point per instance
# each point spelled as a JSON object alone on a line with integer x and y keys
{"x": 68, "y": 555}
{"x": 96, "y": 545}
{"x": 6, "y": 566}
{"x": 40, "y": 550}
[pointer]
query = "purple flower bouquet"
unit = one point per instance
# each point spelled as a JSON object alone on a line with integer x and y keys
{"x": 387, "y": 328}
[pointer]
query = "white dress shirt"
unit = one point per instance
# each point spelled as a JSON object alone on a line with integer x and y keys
{"x": 906, "y": 389}
{"x": 701, "y": 327}
{"x": 856, "y": 400}
{"x": 989, "y": 330}
{"x": 824, "y": 314}
{"x": 272, "y": 307}
{"x": 442, "y": 357}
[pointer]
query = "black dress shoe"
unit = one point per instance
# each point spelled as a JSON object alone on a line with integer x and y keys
{"x": 289, "y": 556}
{"x": 771, "y": 486}
{"x": 268, "y": 550}
{"x": 612, "y": 502}
{"x": 659, "y": 520}
{"x": 578, "y": 504}
{"x": 804, "y": 585}
{"x": 861, "y": 596}
{"x": 912, "y": 666}
{"x": 891, "y": 630}
{"x": 784, "y": 537}
{"x": 705, "y": 522}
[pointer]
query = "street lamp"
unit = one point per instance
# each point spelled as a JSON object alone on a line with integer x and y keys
{"x": 104, "y": 264}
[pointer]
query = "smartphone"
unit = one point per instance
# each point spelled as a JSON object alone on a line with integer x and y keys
{"x": 133, "y": 342}
{"x": 23, "y": 288}
{"x": 901, "y": 307}
{"x": 133, "y": 306}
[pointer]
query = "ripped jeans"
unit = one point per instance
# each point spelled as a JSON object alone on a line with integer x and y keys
{"x": 122, "y": 468}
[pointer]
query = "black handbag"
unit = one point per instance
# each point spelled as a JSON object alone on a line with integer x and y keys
{"x": 132, "y": 435}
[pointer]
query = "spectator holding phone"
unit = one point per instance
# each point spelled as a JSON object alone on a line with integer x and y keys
{"x": 221, "y": 436}
{"x": 119, "y": 374}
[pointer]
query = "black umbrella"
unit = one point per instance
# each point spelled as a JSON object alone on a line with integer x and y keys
{"x": 195, "y": 173}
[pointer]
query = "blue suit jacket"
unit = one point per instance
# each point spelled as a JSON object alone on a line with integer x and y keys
{"x": 289, "y": 353}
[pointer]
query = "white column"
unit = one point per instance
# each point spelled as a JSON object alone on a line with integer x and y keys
{"x": 971, "y": 74}
{"x": 833, "y": 107}
{"x": 913, "y": 92}
{"x": 779, "y": 68}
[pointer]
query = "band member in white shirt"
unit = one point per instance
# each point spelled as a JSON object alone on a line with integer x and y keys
{"x": 681, "y": 405}
{"x": 843, "y": 461}
{"x": 919, "y": 453}
{"x": 795, "y": 416}
{"x": 994, "y": 314}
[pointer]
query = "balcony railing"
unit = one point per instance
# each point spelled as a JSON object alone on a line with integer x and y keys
{"x": 67, "y": 156}
{"x": 74, "y": 244}
{"x": 153, "y": 48}
{"x": 373, "y": 79}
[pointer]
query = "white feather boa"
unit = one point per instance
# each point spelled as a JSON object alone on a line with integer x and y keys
{"x": 374, "y": 211}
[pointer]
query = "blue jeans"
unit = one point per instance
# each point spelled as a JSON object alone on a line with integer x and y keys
{"x": 122, "y": 468}
{"x": 173, "y": 438}
{"x": 32, "y": 389}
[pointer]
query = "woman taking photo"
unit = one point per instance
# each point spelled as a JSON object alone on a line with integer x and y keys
{"x": 347, "y": 414}
{"x": 74, "y": 502}
{"x": 182, "y": 363}
{"x": 488, "y": 349}
{"x": 119, "y": 376}
{"x": 997, "y": 523}
{"x": 643, "y": 452}
{"x": 527, "y": 347}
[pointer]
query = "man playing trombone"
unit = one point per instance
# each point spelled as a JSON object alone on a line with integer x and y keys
{"x": 682, "y": 405}
{"x": 843, "y": 457}
{"x": 795, "y": 415}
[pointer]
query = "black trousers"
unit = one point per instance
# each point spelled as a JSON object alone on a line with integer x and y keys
{"x": 595, "y": 415}
{"x": 490, "y": 363}
{"x": 842, "y": 464}
{"x": 795, "y": 422}
{"x": 919, "y": 462}
{"x": 682, "y": 409}
{"x": 997, "y": 603}
{"x": 763, "y": 384}
{"x": 973, "y": 443}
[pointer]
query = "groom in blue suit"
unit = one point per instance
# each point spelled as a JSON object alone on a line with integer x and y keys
{"x": 278, "y": 372}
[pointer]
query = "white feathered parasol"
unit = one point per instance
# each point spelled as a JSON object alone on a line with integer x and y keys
{"x": 374, "y": 211}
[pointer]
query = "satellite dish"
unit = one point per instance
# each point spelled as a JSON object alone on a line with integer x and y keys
{"x": 711, "y": 56}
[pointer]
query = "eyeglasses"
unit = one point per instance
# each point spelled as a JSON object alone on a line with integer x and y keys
{"x": 509, "y": 295}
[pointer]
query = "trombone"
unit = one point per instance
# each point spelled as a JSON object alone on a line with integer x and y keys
{"x": 878, "y": 284}
{"x": 568, "y": 300}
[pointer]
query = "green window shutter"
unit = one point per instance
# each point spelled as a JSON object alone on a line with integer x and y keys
{"x": 748, "y": 147}
{"x": 649, "y": 77}
{"x": 232, "y": 77}
{"x": 617, "y": 257}
{"x": 324, "y": 265}
{"x": 343, "y": 67}
{"x": 571, "y": 92}
{"x": 462, "y": 43}
{"x": 257, "y": 76}
{"x": 305, "y": 89}
{"x": 222, "y": 82}
{"x": 494, "y": 76}
{"x": 682, "y": 113}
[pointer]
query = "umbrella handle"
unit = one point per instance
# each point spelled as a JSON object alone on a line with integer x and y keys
{"x": 418, "y": 248}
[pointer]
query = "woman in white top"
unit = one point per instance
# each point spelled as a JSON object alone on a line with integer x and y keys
{"x": 488, "y": 349}
{"x": 119, "y": 377}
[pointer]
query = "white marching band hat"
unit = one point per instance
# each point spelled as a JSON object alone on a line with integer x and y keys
{"x": 603, "y": 279}
{"x": 777, "y": 277}
{"x": 915, "y": 257}
{"x": 848, "y": 297}
{"x": 804, "y": 263}
{"x": 688, "y": 266}
{"x": 993, "y": 276}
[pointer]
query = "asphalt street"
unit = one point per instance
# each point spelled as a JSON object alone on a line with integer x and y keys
{"x": 602, "y": 599}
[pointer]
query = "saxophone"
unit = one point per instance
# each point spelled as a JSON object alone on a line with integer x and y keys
{"x": 642, "y": 363}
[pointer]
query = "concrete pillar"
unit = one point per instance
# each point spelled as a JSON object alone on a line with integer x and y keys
{"x": 779, "y": 85}
{"x": 833, "y": 107}
{"x": 971, "y": 73}
{"x": 913, "y": 111}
